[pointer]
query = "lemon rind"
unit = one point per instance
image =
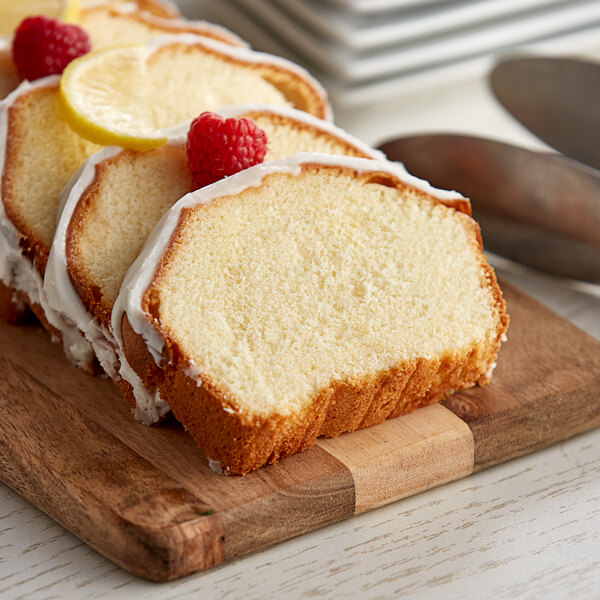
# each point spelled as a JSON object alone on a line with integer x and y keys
{"x": 96, "y": 132}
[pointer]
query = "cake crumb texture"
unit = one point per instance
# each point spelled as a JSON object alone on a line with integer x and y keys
{"x": 316, "y": 304}
{"x": 42, "y": 153}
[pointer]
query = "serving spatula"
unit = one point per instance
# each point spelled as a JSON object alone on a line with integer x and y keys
{"x": 542, "y": 210}
{"x": 557, "y": 99}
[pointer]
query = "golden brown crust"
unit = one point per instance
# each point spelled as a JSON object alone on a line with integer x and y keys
{"x": 138, "y": 355}
{"x": 243, "y": 442}
{"x": 33, "y": 248}
{"x": 169, "y": 26}
{"x": 159, "y": 8}
{"x": 85, "y": 287}
{"x": 140, "y": 360}
{"x": 301, "y": 92}
{"x": 126, "y": 391}
{"x": 348, "y": 148}
{"x": 296, "y": 89}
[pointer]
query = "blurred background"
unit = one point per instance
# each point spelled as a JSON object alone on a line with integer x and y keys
{"x": 388, "y": 64}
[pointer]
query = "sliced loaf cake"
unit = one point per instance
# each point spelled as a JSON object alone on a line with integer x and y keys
{"x": 174, "y": 78}
{"x": 308, "y": 297}
{"x": 117, "y": 23}
{"x": 39, "y": 152}
{"x": 116, "y": 200}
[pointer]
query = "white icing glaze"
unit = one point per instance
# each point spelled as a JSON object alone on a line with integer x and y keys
{"x": 18, "y": 271}
{"x": 149, "y": 406}
{"x": 58, "y": 289}
{"x": 11, "y": 256}
{"x": 64, "y": 300}
{"x": 17, "y": 300}
{"x": 140, "y": 275}
{"x": 242, "y": 54}
{"x": 193, "y": 372}
{"x": 215, "y": 466}
{"x": 235, "y": 110}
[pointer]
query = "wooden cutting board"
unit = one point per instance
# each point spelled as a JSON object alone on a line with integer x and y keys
{"x": 146, "y": 499}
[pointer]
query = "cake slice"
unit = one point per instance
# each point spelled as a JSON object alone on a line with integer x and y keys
{"x": 116, "y": 200}
{"x": 170, "y": 81}
{"x": 307, "y": 297}
{"x": 111, "y": 24}
{"x": 118, "y": 23}
{"x": 39, "y": 152}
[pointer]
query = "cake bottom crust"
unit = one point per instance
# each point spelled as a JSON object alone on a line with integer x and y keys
{"x": 242, "y": 442}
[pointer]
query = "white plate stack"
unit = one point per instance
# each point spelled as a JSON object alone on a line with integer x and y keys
{"x": 371, "y": 50}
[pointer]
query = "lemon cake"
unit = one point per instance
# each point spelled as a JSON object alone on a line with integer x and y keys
{"x": 129, "y": 96}
{"x": 117, "y": 23}
{"x": 116, "y": 200}
{"x": 39, "y": 152}
{"x": 308, "y": 297}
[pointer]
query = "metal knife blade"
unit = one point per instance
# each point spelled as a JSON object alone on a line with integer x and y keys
{"x": 558, "y": 99}
{"x": 542, "y": 210}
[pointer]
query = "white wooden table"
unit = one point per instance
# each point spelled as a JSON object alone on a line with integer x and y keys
{"x": 527, "y": 529}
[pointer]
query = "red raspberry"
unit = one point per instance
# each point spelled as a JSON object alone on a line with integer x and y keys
{"x": 44, "y": 46}
{"x": 218, "y": 147}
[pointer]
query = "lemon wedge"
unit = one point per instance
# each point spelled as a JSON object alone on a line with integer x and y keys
{"x": 102, "y": 98}
{"x": 12, "y": 12}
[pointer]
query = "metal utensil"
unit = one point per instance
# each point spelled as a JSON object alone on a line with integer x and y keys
{"x": 542, "y": 210}
{"x": 558, "y": 99}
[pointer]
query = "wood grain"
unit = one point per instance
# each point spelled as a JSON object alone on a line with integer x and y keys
{"x": 404, "y": 456}
{"x": 146, "y": 498}
{"x": 106, "y": 493}
{"x": 52, "y": 411}
{"x": 546, "y": 387}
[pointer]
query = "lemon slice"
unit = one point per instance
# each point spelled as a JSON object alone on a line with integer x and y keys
{"x": 12, "y": 12}
{"x": 102, "y": 98}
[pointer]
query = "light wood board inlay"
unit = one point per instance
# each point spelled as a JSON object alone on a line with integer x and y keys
{"x": 404, "y": 456}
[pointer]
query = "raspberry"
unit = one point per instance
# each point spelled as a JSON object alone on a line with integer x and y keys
{"x": 218, "y": 147}
{"x": 44, "y": 46}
